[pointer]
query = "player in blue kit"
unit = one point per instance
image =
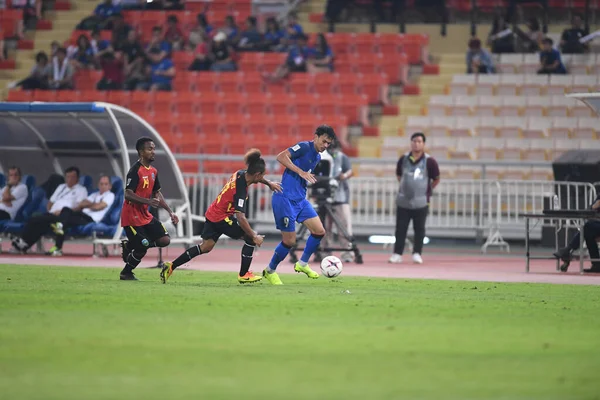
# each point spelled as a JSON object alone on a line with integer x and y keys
{"x": 291, "y": 205}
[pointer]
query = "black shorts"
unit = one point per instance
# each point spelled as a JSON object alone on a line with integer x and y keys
{"x": 229, "y": 227}
{"x": 149, "y": 232}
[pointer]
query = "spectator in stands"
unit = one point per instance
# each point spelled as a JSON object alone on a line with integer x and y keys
{"x": 130, "y": 4}
{"x": 92, "y": 209}
{"x": 550, "y": 60}
{"x": 164, "y": 5}
{"x": 341, "y": 171}
{"x": 81, "y": 55}
{"x": 390, "y": 15}
{"x": 13, "y": 195}
{"x": 199, "y": 32}
{"x": 173, "y": 34}
{"x": 293, "y": 28}
{"x": 113, "y": 69}
{"x": 105, "y": 14}
{"x": 133, "y": 60}
{"x": 120, "y": 30}
{"x": 231, "y": 31}
{"x": 221, "y": 55}
{"x": 61, "y": 75}
{"x": 418, "y": 174}
{"x": 501, "y": 39}
{"x": 322, "y": 57}
{"x": 591, "y": 232}
{"x": 39, "y": 75}
{"x": 569, "y": 41}
{"x": 201, "y": 56}
{"x": 273, "y": 36}
{"x": 32, "y": 12}
{"x": 296, "y": 60}
{"x": 158, "y": 48}
{"x": 67, "y": 194}
{"x": 479, "y": 61}
{"x": 251, "y": 39}
{"x": 159, "y": 74}
{"x": 54, "y": 46}
{"x": 99, "y": 46}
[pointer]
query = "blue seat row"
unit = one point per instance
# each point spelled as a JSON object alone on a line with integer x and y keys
{"x": 36, "y": 203}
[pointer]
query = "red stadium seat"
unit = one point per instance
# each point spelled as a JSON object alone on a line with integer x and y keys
{"x": 258, "y": 104}
{"x": 301, "y": 83}
{"x": 20, "y": 95}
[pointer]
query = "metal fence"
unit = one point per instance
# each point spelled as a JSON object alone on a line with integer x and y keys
{"x": 458, "y": 208}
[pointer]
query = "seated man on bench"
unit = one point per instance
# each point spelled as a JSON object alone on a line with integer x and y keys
{"x": 591, "y": 231}
{"x": 92, "y": 209}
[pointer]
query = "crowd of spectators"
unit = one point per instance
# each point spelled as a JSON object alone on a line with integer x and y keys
{"x": 503, "y": 39}
{"x": 131, "y": 62}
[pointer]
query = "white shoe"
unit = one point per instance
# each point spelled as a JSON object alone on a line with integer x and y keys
{"x": 417, "y": 259}
{"x": 395, "y": 259}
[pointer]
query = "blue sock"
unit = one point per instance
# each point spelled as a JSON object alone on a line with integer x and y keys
{"x": 312, "y": 244}
{"x": 281, "y": 252}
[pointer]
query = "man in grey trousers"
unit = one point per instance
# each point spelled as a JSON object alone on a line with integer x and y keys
{"x": 418, "y": 174}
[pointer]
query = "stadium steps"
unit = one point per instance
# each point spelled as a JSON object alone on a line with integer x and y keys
{"x": 63, "y": 22}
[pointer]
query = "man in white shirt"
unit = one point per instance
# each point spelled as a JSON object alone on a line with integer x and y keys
{"x": 92, "y": 209}
{"x": 68, "y": 194}
{"x": 13, "y": 195}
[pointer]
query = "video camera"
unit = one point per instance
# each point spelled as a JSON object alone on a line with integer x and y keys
{"x": 324, "y": 189}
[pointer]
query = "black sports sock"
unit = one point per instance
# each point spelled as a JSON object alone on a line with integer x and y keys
{"x": 133, "y": 260}
{"x": 187, "y": 255}
{"x": 247, "y": 252}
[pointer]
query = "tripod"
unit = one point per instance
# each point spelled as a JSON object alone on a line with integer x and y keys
{"x": 324, "y": 209}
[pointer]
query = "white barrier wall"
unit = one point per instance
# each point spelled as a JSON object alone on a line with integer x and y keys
{"x": 458, "y": 208}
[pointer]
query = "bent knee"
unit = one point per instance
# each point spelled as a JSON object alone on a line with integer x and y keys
{"x": 163, "y": 241}
{"x": 289, "y": 242}
{"x": 319, "y": 232}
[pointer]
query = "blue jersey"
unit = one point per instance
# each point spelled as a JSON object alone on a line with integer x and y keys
{"x": 304, "y": 156}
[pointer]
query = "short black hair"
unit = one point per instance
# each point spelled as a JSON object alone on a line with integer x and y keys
{"x": 41, "y": 56}
{"x": 61, "y": 50}
{"x": 549, "y": 41}
{"x": 72, "y": 169}
{"x": 141, "y": 142}
{"x": 417, "y": 134}
{"x": 157, "y": 28}
{"x": 325, "y": 130}
{"x": 15, "y": 168}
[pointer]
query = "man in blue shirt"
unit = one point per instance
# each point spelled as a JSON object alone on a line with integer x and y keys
{"x": 550, "y": 61}
{"x": 291, "y": 205}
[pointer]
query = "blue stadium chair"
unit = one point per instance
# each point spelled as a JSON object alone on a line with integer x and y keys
{"x": 2, "y": 180}
{"x": 35, "y": 204}
{"x": 110, "y": 223}
{"x": 86, "y": 182}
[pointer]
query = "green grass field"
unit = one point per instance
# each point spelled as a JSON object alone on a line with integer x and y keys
{"x": 77, "y": 333}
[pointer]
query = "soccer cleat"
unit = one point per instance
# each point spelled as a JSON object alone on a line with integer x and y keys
{"x": 306, "y": 270}
{"x": 128, "y": 276}
{"x": 124, "y": 249}
{"x": 272, "y": 278}
{"x": 249, "y": 278}
{"x": 166, "y": 271}
{"x": 417, "y": 259}
{"x": 395, "y": 259}
{"x": 55, "y": 252}
{"x": 57, "y": 228}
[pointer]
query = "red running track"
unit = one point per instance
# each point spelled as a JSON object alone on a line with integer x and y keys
{"x": 439, "y": 264}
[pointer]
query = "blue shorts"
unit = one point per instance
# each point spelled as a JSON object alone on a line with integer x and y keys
{"x": 287, "y": 212}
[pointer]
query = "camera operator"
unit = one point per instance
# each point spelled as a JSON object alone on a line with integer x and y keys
{"x": 341, "y": 171}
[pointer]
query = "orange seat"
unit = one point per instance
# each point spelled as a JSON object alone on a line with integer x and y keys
{"x": 304, "y": 103}
{"x": 301, "y": 83}
{"x": 119, "y": 97}
{"x": 186, "y": 102}
{"x": 229, "y": 82}
{"x": 258, "y": 104}
{"x": 182, "y": 59}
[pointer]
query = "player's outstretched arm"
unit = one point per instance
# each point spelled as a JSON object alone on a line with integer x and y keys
{"x": 274, "y": 186}
{"x": 285, "y": 159}
{"x": 163, "y": 204}
{"x": 134, "y": 198}
{"x": 245, "y": 225}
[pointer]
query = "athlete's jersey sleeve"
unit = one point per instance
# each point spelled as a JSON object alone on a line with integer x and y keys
{"x": 299, "y": 150}
{"x": 133, "y": 178}
{"x": 156, "y": 187}
{"x": 241, "y": 192}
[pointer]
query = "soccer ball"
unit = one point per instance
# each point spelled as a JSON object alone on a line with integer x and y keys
{"x": 331, "y": 266}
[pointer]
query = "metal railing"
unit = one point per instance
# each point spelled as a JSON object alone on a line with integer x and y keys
{"x": 458, "y": 208}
